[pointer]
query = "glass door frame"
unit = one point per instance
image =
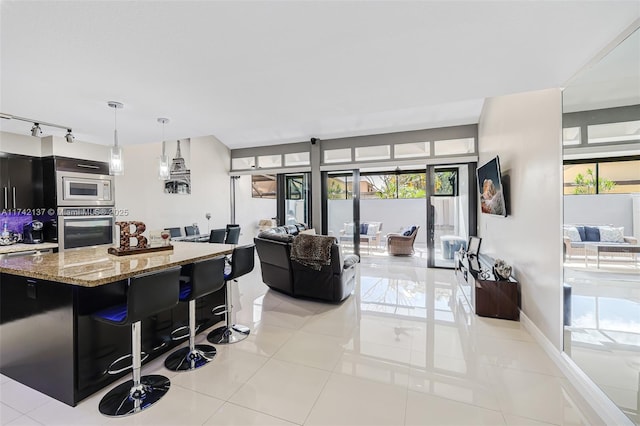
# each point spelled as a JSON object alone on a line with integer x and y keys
{"x": 473, "y": 206}
{"x": 355, "y": 191}
{"x": 281, "y": 195}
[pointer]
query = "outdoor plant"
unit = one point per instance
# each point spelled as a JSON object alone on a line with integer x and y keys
{"x": 586, "y": 184}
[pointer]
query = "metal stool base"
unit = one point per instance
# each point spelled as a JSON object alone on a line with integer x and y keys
{"x": 124, "y": 399}
{"x": 226, "y": 335}
{"x": 185, "y": 360}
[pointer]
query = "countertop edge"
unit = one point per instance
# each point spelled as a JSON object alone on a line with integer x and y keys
{"x": 96, "y": 283}
{"x": 18, "y": 247}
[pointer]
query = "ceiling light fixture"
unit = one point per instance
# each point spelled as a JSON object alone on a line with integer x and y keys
{"x": 163, "y": 161}
{"x": 116, "y": 162}
{"x": 36, "y": 130}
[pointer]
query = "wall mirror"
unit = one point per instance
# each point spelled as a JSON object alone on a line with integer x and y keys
{"x": 601, "y": 161}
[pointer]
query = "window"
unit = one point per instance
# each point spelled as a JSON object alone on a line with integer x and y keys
{"x": 454, "y": 146}
{"x": 243, "y": 163}
{"x": 446, "y": 183}
{"x": 263, "y": 186}
{"x": 614, "y": 132}
{"x": 337, "y": 155}
{"x": 411, "y": 150}
{"x": 571, "y": 136}
{"x": 393, "y": 185}
{"x": 367, "y": 153}
{"x": 269, "y": 161}
{"x": 620, "y": 177}
{"x": 612, "y": 177}
{"x": 340, "y": 187}
{"x": 297, "y": 159}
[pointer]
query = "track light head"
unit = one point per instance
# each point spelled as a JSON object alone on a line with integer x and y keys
{"x": 69, "y": 136}
{"x": 36, "y": 130}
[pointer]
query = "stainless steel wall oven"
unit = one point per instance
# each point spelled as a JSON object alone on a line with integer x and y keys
{"x": 84, "y": 227}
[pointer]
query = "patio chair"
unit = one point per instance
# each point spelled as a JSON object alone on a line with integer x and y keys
{"x": 401, "y": 244}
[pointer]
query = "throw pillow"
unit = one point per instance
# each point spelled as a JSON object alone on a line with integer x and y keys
{"x": 408, "y": 231}
{"x": 609, "y": 234}
{"x": 583, "y": 234}
{"x": 348, "y": 228}
{"x": 373, "y": 229}
{"x": 572, "y": 233}
{"x": 592, "y": 233}
{"x": 364, "y": 228}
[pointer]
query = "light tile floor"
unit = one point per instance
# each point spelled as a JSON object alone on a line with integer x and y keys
{"x": 402, "y": 350}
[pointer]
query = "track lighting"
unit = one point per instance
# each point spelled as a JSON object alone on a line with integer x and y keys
{"x": 36, "y": 130}
{"x": 163, "y": 161}
{"x": 116, "y": 162}
{"x": 69, "y": 136}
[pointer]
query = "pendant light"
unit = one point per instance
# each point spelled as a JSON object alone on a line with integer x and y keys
{"x": 163, "y": 161}
{"x": 116, "y": 162}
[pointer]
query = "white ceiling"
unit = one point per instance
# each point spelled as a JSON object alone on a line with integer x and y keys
{"x": 260, "y": 73}
{"x": 611, "y": 82}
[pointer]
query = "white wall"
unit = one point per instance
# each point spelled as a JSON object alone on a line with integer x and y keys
{"x": 141, "y": 192}
{"x": 525, "y": 131}
{"x": 53, "y": 145}
{"x": 413, "y": 212}
{"x": 13, "y": 143}
{"x": 601, "y": 209}
{"x": 250, "y": 210}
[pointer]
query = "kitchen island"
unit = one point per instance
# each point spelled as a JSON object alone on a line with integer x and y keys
{"x": 48, "y": 339}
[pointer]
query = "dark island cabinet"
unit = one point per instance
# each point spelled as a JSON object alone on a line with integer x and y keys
{"x": 52, "y": 343}
{"x": 20, "y": 183}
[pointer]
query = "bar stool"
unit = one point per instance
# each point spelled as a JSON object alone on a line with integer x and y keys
{"x": 205, "y": 277}
{"x": 147, "y": 295}
{"x": 242, "y": 262}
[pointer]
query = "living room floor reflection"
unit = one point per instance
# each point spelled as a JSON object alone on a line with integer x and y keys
{"x": 402, "y": 350}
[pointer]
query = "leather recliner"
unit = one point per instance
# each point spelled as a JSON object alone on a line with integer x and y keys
{"x": 332, "y": 283}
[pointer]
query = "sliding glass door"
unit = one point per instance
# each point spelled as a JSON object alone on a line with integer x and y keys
{"x": 341, "y": 209}
{"x": 451, "y": 211}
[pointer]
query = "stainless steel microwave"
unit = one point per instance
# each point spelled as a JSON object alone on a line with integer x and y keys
{"x": 84, "y": 189}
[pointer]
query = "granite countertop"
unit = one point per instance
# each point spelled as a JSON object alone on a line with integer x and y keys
{"x": 93, "y": 266}
{"x": 14, "y": 248}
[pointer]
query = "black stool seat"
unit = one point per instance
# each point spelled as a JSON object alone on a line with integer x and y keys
{"x": 147, "y": 295}
{"x": 203, "y": 278}
{"x": 242, "y": 262}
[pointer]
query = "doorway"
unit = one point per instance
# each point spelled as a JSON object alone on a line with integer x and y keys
{"x": 451, "y": 211}
{"x": 341, "y": 208}
{"x": 294, "y": 198}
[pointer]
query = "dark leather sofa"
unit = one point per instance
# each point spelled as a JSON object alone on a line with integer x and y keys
{"x": 332, "y": 283}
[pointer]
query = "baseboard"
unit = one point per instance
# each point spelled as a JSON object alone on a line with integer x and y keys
{"x": 596, "y": 406}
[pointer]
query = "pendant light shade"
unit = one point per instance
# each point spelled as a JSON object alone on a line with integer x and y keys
{"x": 163, "y": 160}
{"x": 116, "y": 161}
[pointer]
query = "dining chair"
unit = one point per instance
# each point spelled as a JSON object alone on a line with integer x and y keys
{"x": 233, "y": 234}
{"x": 175, "y": 232}
{"x": 217, "y": 235}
